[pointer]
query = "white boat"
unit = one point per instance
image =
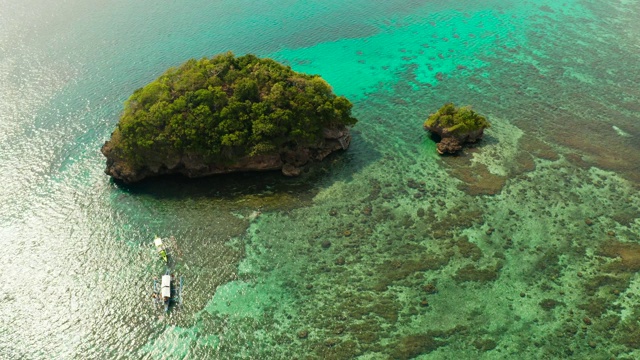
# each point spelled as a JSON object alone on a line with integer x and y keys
{"x": 167, "y": 292}
{"x": 161, "y": 249}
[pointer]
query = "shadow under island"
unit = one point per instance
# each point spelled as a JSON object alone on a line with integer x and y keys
{"x": 338, "y": 166}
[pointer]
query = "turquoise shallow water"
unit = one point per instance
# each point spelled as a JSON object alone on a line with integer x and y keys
{"x": 527, "y": 245}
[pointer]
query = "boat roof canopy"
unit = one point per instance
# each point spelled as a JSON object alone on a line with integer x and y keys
{"x": 158, "y": 241}
{"x": 166, "y": 286}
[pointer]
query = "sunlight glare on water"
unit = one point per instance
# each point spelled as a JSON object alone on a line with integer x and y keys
{"x": 526, "y": 245}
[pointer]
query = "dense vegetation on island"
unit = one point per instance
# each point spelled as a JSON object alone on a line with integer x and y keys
{"x": 227, "y": 107}
{"x": 456, "y": 121}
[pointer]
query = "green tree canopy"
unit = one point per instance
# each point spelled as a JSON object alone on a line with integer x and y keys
{"x": 226, "y": 107}
{"x": 457, "y": 120}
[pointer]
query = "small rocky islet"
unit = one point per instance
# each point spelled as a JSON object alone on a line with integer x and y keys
{"x": 455, "y": 126}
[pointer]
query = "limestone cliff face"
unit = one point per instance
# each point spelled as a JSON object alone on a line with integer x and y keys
{"x": 289, "y": 161}
{"x": 450, "y": 143}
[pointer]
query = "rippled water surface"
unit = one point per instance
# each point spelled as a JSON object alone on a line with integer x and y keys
{"x": 527, "y": 245}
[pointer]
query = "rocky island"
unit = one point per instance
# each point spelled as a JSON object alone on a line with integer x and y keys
{"x": 455, "y": 126}
{"x": 227, "y": 114}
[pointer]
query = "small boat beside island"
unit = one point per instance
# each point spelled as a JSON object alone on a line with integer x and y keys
{"x": 162, "y": 251}
{"x": 167, "y": 291}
